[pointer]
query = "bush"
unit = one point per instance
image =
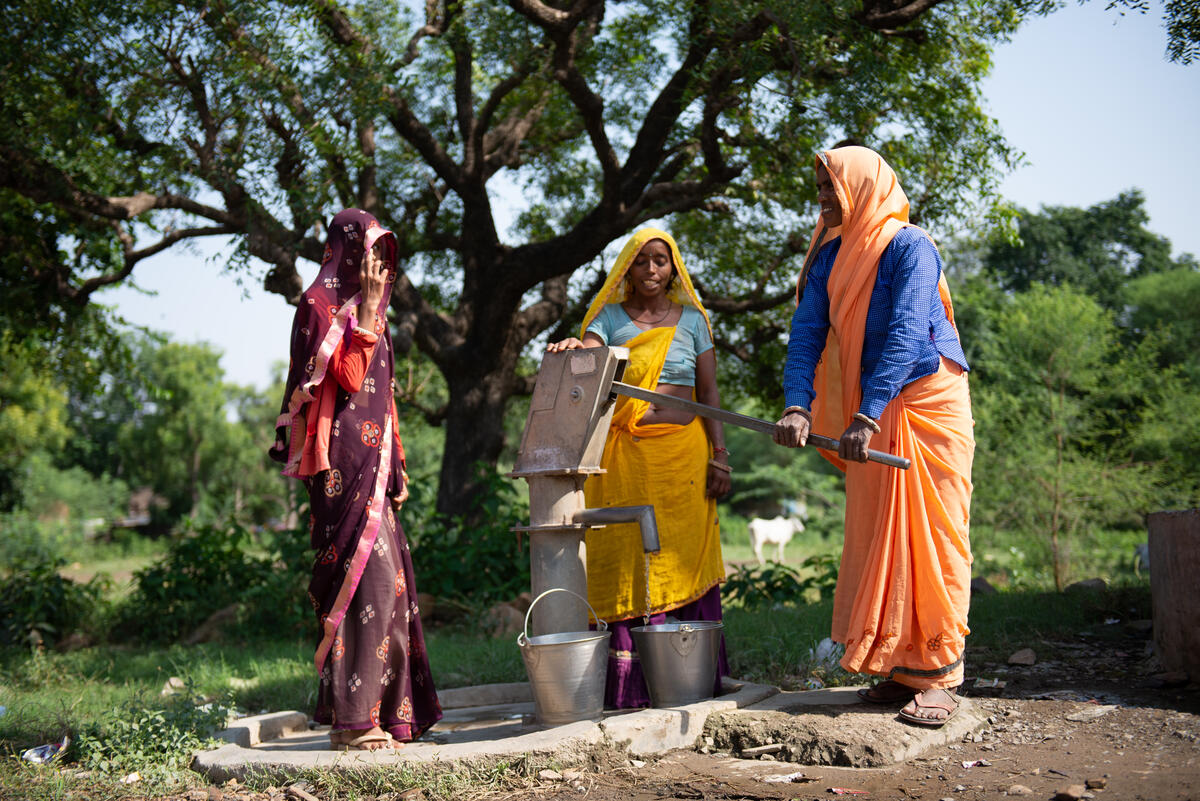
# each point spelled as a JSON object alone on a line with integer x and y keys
{"x": 278, "y": 604}
{"x": 43, "y": 486}
{"x": 40, "y": 605}
{"x": 481, "y": 562}
{"x": 28, "y": 540}
{"x": 206, "y": 569}
{"x": 773, "y": 583}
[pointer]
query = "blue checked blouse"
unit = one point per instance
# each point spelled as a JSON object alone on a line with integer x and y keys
{"x": 907, "y": 329}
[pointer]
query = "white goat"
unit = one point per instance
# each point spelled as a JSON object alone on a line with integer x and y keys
{"x": 777, "y": 531}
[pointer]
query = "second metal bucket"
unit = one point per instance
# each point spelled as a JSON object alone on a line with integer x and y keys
{"x": 566, "y": 670}
{"x": 679, "y": 660}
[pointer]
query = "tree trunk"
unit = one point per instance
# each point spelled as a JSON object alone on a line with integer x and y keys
{"x": 474, "y": 422}
{"x": 1174, "y": 563}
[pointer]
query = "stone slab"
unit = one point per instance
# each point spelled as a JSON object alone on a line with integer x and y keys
{"x": 832, "y": 727}
{"x": 485, "y": 695}
{"x": 654, "y": 731}
{"x": 817, "y": 727}
{"x": 252, "y": 730}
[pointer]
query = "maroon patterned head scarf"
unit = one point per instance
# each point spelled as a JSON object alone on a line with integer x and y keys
{"x": 324, "y": 318}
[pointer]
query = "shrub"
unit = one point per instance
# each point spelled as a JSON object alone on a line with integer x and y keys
{"x": 206, "y": 569}
{"x": 40, "y": 605}
{"x": 28, "y": 540}
{"x": 474, "y": 556}
{"x": 773, "y": 583}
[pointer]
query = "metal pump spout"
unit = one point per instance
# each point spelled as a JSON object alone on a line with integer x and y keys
{"x": 642, "y": 515}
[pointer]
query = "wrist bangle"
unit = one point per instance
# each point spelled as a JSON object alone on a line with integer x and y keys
{"x": 724, "y": 467}
{"x": 798, "y": 410}
{"x": 862, "y": 418}
{"x": 721, "y": 449}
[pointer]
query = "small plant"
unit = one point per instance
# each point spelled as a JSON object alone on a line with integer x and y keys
{"x": 150, "y": 738}
{"x": 774, "y": 583}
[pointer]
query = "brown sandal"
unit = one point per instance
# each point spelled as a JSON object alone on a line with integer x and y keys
{"x": 364, "y": 742}
{"x": 951, "y": 708}
{"x": 887, "y": 691}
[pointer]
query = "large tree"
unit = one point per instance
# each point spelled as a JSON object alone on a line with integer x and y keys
{"x": 133, "y": 128}
{"x": 1097, "y": 249}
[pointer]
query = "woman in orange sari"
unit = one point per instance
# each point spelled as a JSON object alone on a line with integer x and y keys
{"x": 874, "y": 353}
{"x": 654, "y": 455}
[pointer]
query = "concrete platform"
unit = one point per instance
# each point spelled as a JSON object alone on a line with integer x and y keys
{"x": 496, "y": 721}
{"x": 833, "y": 727}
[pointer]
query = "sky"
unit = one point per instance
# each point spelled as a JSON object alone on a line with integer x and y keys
{"x": 1085, "y": 93}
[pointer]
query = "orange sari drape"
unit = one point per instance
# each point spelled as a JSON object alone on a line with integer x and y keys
{"x": 903, "y": 590}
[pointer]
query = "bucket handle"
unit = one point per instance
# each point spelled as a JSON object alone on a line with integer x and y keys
{"x": 684, "y": 640}
{"x": 523, "y": 637}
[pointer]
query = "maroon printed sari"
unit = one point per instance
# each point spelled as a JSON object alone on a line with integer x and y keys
{"x": 343, "y": 445}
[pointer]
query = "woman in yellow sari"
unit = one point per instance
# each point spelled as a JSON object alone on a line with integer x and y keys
{"x": 874, "y": 353}
{"x": 653, "y": 455}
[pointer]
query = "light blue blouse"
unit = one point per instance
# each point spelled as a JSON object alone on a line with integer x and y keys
{"x": 614, "y": 326}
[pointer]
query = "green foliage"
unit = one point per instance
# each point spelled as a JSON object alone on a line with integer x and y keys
{"x": 754, "y": 586}
{"x": 46, "y": 489}
{"x": 38, "y": 605}
{"x": 150, "y": 736}
{"x": 179, "y": 437}
{"x": 1165, "y": 304}
{"x": 474, "y": 556}
{"x": 1096, "y": 249}
{"x": 1052, "y": 456}
{"x": 29, "y": 541}
{"x": 769, "y": 481}
{"x": 207, "y": 568}
{"x": 33, "y": 409}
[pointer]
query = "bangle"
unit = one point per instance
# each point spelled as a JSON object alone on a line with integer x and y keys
{"x": 862, "y": 418}
{"x": 798, "y": 410}
{"x": 721, "y": 449}
{"x": 714, "y": 463}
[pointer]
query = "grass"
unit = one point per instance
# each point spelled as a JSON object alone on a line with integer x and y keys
{"x": 49, "y": 693}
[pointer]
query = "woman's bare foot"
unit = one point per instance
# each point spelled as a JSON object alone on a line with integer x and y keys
{"x": 372, "y": 739}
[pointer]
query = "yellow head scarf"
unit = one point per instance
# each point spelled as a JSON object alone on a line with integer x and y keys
{"x": 615, "y": 290}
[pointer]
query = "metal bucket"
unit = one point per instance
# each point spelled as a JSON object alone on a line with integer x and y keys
{"x": 566, "y": 670}
{"x": 679, "y": 660}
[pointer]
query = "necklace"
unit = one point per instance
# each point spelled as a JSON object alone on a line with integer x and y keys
{"x": 667, "y": 313}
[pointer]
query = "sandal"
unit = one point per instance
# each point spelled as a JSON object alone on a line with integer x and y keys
{"x": 364, "y": 741}
{"x": 887, "y": 691}
{"x": 950, "y": 705}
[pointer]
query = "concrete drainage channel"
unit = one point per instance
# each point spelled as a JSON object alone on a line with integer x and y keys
{"x": 818, "y": 727}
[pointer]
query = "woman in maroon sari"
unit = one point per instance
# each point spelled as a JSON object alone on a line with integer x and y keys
{"x": 337, "y": 433}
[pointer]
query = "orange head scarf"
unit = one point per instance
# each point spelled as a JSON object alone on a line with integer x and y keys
{"x": 874, "y": 209}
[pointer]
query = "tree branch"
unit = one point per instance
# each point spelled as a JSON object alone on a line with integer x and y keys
{"x": 406, "y": 123}
{"x": 880, "y": 14}
{"x": 563, "y": 29}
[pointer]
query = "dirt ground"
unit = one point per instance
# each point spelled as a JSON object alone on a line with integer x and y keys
{"x": 1092, "y": 718}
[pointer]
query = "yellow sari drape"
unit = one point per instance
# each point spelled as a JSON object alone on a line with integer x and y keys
{"x": 665, "y": 465}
